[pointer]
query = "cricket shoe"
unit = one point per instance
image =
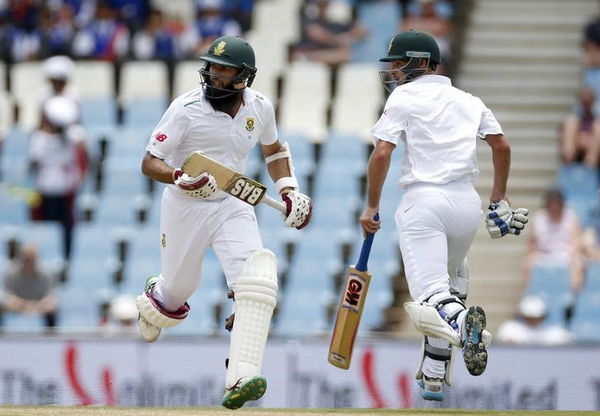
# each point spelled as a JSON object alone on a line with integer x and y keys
{"x": 474, "y": 352}
{"x": 148, "y": 332}
{"x": 246, "y": 389}
{"x": 431, "y": 388}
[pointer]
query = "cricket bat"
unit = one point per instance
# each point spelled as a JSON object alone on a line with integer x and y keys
{"x": 351, "y": 307}
{"x": 228, "y": 180}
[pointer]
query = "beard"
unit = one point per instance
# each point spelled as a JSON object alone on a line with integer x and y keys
{"x": 222, "y": 100}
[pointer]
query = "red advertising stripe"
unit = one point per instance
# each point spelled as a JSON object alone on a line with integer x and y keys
{"x": 71, "y": 367}
{"x": 369, "y": 378}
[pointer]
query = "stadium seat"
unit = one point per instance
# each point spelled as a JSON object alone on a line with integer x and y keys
{"x": 305, "y": 82}
{"x": 381, "y": 19}
{"x": 94, "y": 83}
{"x": 144, "y": 92}
{"x": 28, "y": 86}
{"x": 552, "y": 284}
{"x": 578, "y": 181}
{"x": 186, "y": 77}
{"x": 79, "y": 309}
{"x": 586, "y": 320}
{"x": 358, "y": 100}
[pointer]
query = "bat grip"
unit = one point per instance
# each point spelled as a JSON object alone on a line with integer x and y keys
{"x": 274, "y": 204}
{"x": 363, "y": 259}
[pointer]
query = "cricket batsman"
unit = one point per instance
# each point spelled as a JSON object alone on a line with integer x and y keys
{"x": 440, "y": 210}
{"x": 225, "y": 119}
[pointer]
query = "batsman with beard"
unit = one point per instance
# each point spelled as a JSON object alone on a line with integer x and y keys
{"x": 225, "y": 119}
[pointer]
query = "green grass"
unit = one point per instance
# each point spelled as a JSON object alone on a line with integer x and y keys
{"x": 121, "y": 411}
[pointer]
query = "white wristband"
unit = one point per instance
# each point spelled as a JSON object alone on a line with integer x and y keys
{"x": 286, "y": 182}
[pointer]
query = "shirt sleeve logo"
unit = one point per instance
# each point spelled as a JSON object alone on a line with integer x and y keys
{"x": 160, "y": 137}
{"x": 249, "y": 123}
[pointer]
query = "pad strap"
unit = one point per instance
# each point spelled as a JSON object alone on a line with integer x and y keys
{"x": 440, "y": 354}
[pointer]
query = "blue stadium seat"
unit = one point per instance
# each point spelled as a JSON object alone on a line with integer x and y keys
{"x": 339, "y": 148}
{"x": 552, "y": 284}
{"x": 381, "y": 19}
{"x": 592, "y": 276}
{"x": 79, "y": 309}
{"x": 144, "y": 112}
{"x": 577, "y": 181}
{"x": 586, "y": 321}
{"x": 302, "y": 312}
{"x": 14, "y": 323}
{"x": 98, "y": 111}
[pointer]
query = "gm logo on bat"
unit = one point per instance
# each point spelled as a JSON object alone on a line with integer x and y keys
{"x": 354, "y": 291}
{"x": 248, "y": 191}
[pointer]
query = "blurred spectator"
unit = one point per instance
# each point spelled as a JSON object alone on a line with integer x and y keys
{"x": 58, "y": 159}
{"x": 155, "y": 41}
{"x": 529, "y": 327}
{"x": 241, "y": 10}
{"x": 103, "y": 38}
{"x": 58, "y": 71}
{"x": 28, "y": 289}
{"x": 131, "y": 12}
{"x": 555, "y": 240}
{"x": 122, "y": 316}
{"x": 580, "y": 136}
{"x": 324, "y": 40}
{"x": 211, "y": 23}
{"x": 428, "y": 19}
{"x": 57, "y": 31}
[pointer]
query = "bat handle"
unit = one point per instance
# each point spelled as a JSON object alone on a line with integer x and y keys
{"x": 274, "y": 204}
{"x": 363, "y": 259}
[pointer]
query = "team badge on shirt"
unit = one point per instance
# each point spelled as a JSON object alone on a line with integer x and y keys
{"x": 249, "y": 123}
{"x": 220, "y": 48}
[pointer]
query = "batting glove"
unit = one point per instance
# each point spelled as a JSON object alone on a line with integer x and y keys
{"x": 201, "y": 186}
{"x": 498, "y": 219}
{"x": 298, "y": 209}
{"x": 519, "y": 219}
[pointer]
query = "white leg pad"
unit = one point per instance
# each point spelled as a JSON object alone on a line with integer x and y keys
{"x": 152, "y": 312}
{"x": 255, "y": 297}
{"x": 428, "y": 321}
{"x": 448, "y": 364}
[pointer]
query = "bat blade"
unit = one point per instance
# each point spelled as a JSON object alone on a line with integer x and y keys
{"x": 348, "y": 317}
{"x": 351, "y": 307}
{"x": 228, "y": 180}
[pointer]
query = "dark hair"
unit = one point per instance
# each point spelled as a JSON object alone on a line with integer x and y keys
{"x": 553, "y": 193}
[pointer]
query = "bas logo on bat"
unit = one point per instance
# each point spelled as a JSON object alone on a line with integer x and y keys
{"x": 247, "y": 191}
{"x": 354, "y": 291}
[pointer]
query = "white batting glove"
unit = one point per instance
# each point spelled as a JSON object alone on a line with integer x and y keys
{"x": 519, "y": 219}
{"x": 298, "y": 209}
{"x": 498, "y": 219}
{"x": 201, "y": 186}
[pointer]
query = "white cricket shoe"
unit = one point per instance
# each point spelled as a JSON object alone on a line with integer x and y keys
{"x": 431, "y": 388}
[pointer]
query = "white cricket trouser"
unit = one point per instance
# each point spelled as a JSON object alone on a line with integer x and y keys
{"x": 188, "y": 227}
{"x": 436, "y": 226}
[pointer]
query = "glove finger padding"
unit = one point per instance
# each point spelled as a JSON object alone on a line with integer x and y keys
{"x": 298, "y": 209}
{"x": 520, "y": 218}
{"x": 201, "y": 186}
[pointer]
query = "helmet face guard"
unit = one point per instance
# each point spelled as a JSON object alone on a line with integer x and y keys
{"x": 245, "y": 76}
{"x": 415, "y": 65}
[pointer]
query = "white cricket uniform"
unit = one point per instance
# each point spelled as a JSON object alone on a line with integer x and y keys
{"x": 188, "y": 225}
{"x": 440, "y": 211}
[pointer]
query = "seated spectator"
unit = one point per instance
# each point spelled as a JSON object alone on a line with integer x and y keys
{"x": 529, "y": 328}
{"x": 325, "y": 40}
{"x": 28, "y": 289}
{"x": 58, "y": 161}
{"x": 429, "y": 20}
{"x": 211, "y": 23}
{"x": 580, "y": 135}
{"x": 57, "y": 31}
{"x": 555, "y": 240}
{"x": 58, "y": 71}
{"x": 104, "y": 37}
{"x": 155, "y": 41}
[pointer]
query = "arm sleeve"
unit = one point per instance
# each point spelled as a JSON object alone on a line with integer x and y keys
{"x": 269, "y": 134}
{"x": 488, "y": 124}
{"x": 390, "y": 126}
{"x": 169, "y": 131}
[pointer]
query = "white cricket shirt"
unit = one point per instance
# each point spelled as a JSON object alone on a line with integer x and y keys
{"x": 191, "y": 123}
{"x": 439, "y": 125}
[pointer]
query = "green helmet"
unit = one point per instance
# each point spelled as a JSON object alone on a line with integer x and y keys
{"x": 232, "y": 51}
{"x": 413, "y": 44}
